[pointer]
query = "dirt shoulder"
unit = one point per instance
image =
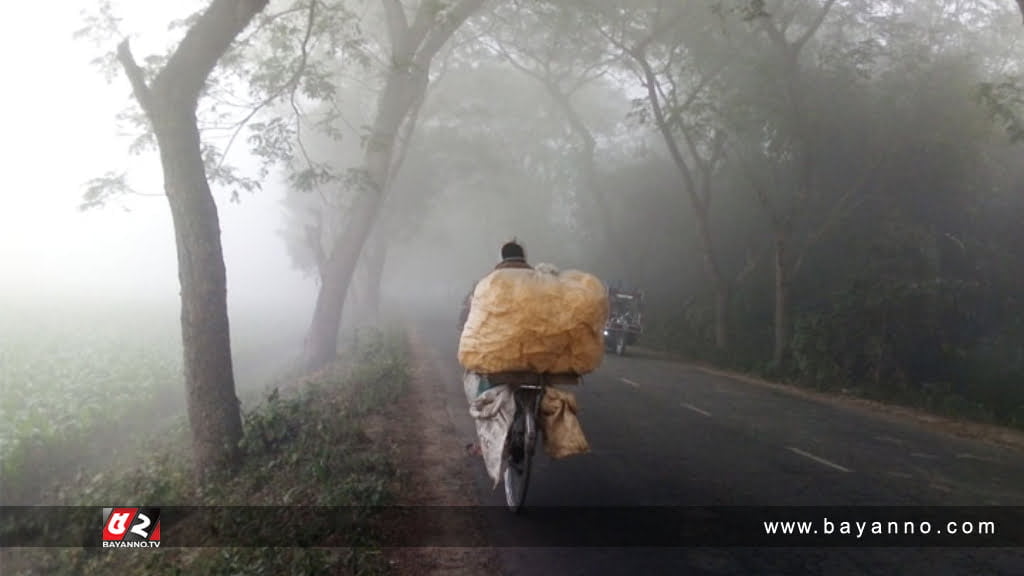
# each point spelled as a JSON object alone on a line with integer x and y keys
{"x": 964, "y": 429}
{"x": 433, "y": 472}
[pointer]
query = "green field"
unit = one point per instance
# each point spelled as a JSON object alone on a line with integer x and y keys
{"x": 315, "y": 440}
{"x": 68, "y": 368}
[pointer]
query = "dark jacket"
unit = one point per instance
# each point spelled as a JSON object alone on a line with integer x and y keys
{"x": 467, "y": 301}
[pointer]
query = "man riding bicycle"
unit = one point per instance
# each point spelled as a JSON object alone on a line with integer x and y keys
{"x": 513, "y": 255}
{"x": 524, "y": 331}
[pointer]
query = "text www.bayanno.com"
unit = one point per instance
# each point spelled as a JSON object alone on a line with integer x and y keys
{"x": 861, "y": 529}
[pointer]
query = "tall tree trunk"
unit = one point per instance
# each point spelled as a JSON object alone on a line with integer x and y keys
{"x": 322, "y": 341}
{"x": 401, "y": 91}
{"x": 611, "y": 248}
{"x": 413, "y": 48}
{"x": 374, "y": 259}
{"x": 595, "y": 203}
{"x": 781, "y": 300}
{"x": 790, "y": 50}
{"x": 721, "y": 318}
{"x": 170, "y": 103}
{"x": 700, "y": 205}
{"x": 718, "y": 283}
{"x": 213, "y": 408}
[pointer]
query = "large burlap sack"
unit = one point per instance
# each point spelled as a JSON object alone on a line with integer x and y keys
{"x": 563, "y": 435}
{"x": 492, "y": 409}
{"x": 535, "y": 320}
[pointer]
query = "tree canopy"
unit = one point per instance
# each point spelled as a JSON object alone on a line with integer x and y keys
{"x": 827, "y": 191}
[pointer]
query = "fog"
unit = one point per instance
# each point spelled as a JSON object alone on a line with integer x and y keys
{"x": 62, "y": 131}
{"x": 829, "y": 193}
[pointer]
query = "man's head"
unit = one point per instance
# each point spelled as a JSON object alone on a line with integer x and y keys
{"x": 513, "y": 250}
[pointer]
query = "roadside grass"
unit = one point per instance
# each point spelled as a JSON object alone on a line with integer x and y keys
{"x": 305, "y": 445}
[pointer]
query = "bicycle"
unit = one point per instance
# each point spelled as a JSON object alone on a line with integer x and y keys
{"x": 521, "y": 442}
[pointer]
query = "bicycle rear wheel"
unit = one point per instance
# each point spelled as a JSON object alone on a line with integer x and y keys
{"x": 522, "y": 437}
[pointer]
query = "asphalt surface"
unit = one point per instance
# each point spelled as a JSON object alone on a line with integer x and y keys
{"x": 664, "y": 433}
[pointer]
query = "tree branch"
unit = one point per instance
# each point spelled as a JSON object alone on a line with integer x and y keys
{"x": 642, "y": 45}
{"x": 575, "y": 121}
{"x": 652, "y": 85}
{"x": 786, "y": 19}
{"x": 292, "y": 84}
{"x": 398, "y": 24}
{"x": 404, "y": 140}
{"x": 440, "y": 33}
{"x": 241, "y": 125}
{"x": 136, "y": 76}
{"x": 314, "y": 234}
{"x": 775, "y": 35}
{"x": 443, "y": 67}
{"x": 691, "y": 144}
{"x": 555, "y": 91}
{"x": 182, "y": 79}
{"x": 716, "y": 155}
{"x": 704, "y": 83}
{"x": 838, "y": 211}
{"x": 425, "y": 17}
{"x": 515, "y": 63}
{"x": 593, "y": 72}
{"x": 813, "y": 28}
{"x": 265, "y": 21}
{"x": 640, "y": 48}
{"x": 752, "y": 262}
{"x": 295, "y": 79}
{"x": 759, "y": 191}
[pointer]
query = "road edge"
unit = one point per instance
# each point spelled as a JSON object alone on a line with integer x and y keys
{"x": 434, "y": 473}
{"x": 990, "y": 433}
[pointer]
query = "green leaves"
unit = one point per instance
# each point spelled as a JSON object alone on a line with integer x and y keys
{"x": 273, "y": 139}
{"x": 226, "y": 175}
{"x": 102, "y": 28}
{"x": 309, "y": 178}
{"x": 100, "y": 189}
{"x": 286, "y": 59}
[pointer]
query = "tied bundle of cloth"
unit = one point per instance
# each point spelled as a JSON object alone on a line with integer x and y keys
{"x": 531, "y": 320}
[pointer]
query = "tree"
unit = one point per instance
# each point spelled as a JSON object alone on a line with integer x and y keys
{"x": 187, "y": 101}
{"x": 413, "y": 46}
{"x": 315, "y": 205}
{"x": 409, "y": 191}
{"x": 789, "y": 51}
{"x": 650, "y": 38}
{"x": 550, "y": 43}
{"x": 501, "y": 166}
{"x": 169, "y": 102}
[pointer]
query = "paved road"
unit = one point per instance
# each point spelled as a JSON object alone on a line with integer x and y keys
{"x": 663, "y": 433}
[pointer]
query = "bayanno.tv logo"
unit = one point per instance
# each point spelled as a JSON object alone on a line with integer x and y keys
{"x": 131, "y": 527}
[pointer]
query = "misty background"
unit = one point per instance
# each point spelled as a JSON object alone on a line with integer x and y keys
{"x": 830, "y": 193}
{"x": 61, "y": 131}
